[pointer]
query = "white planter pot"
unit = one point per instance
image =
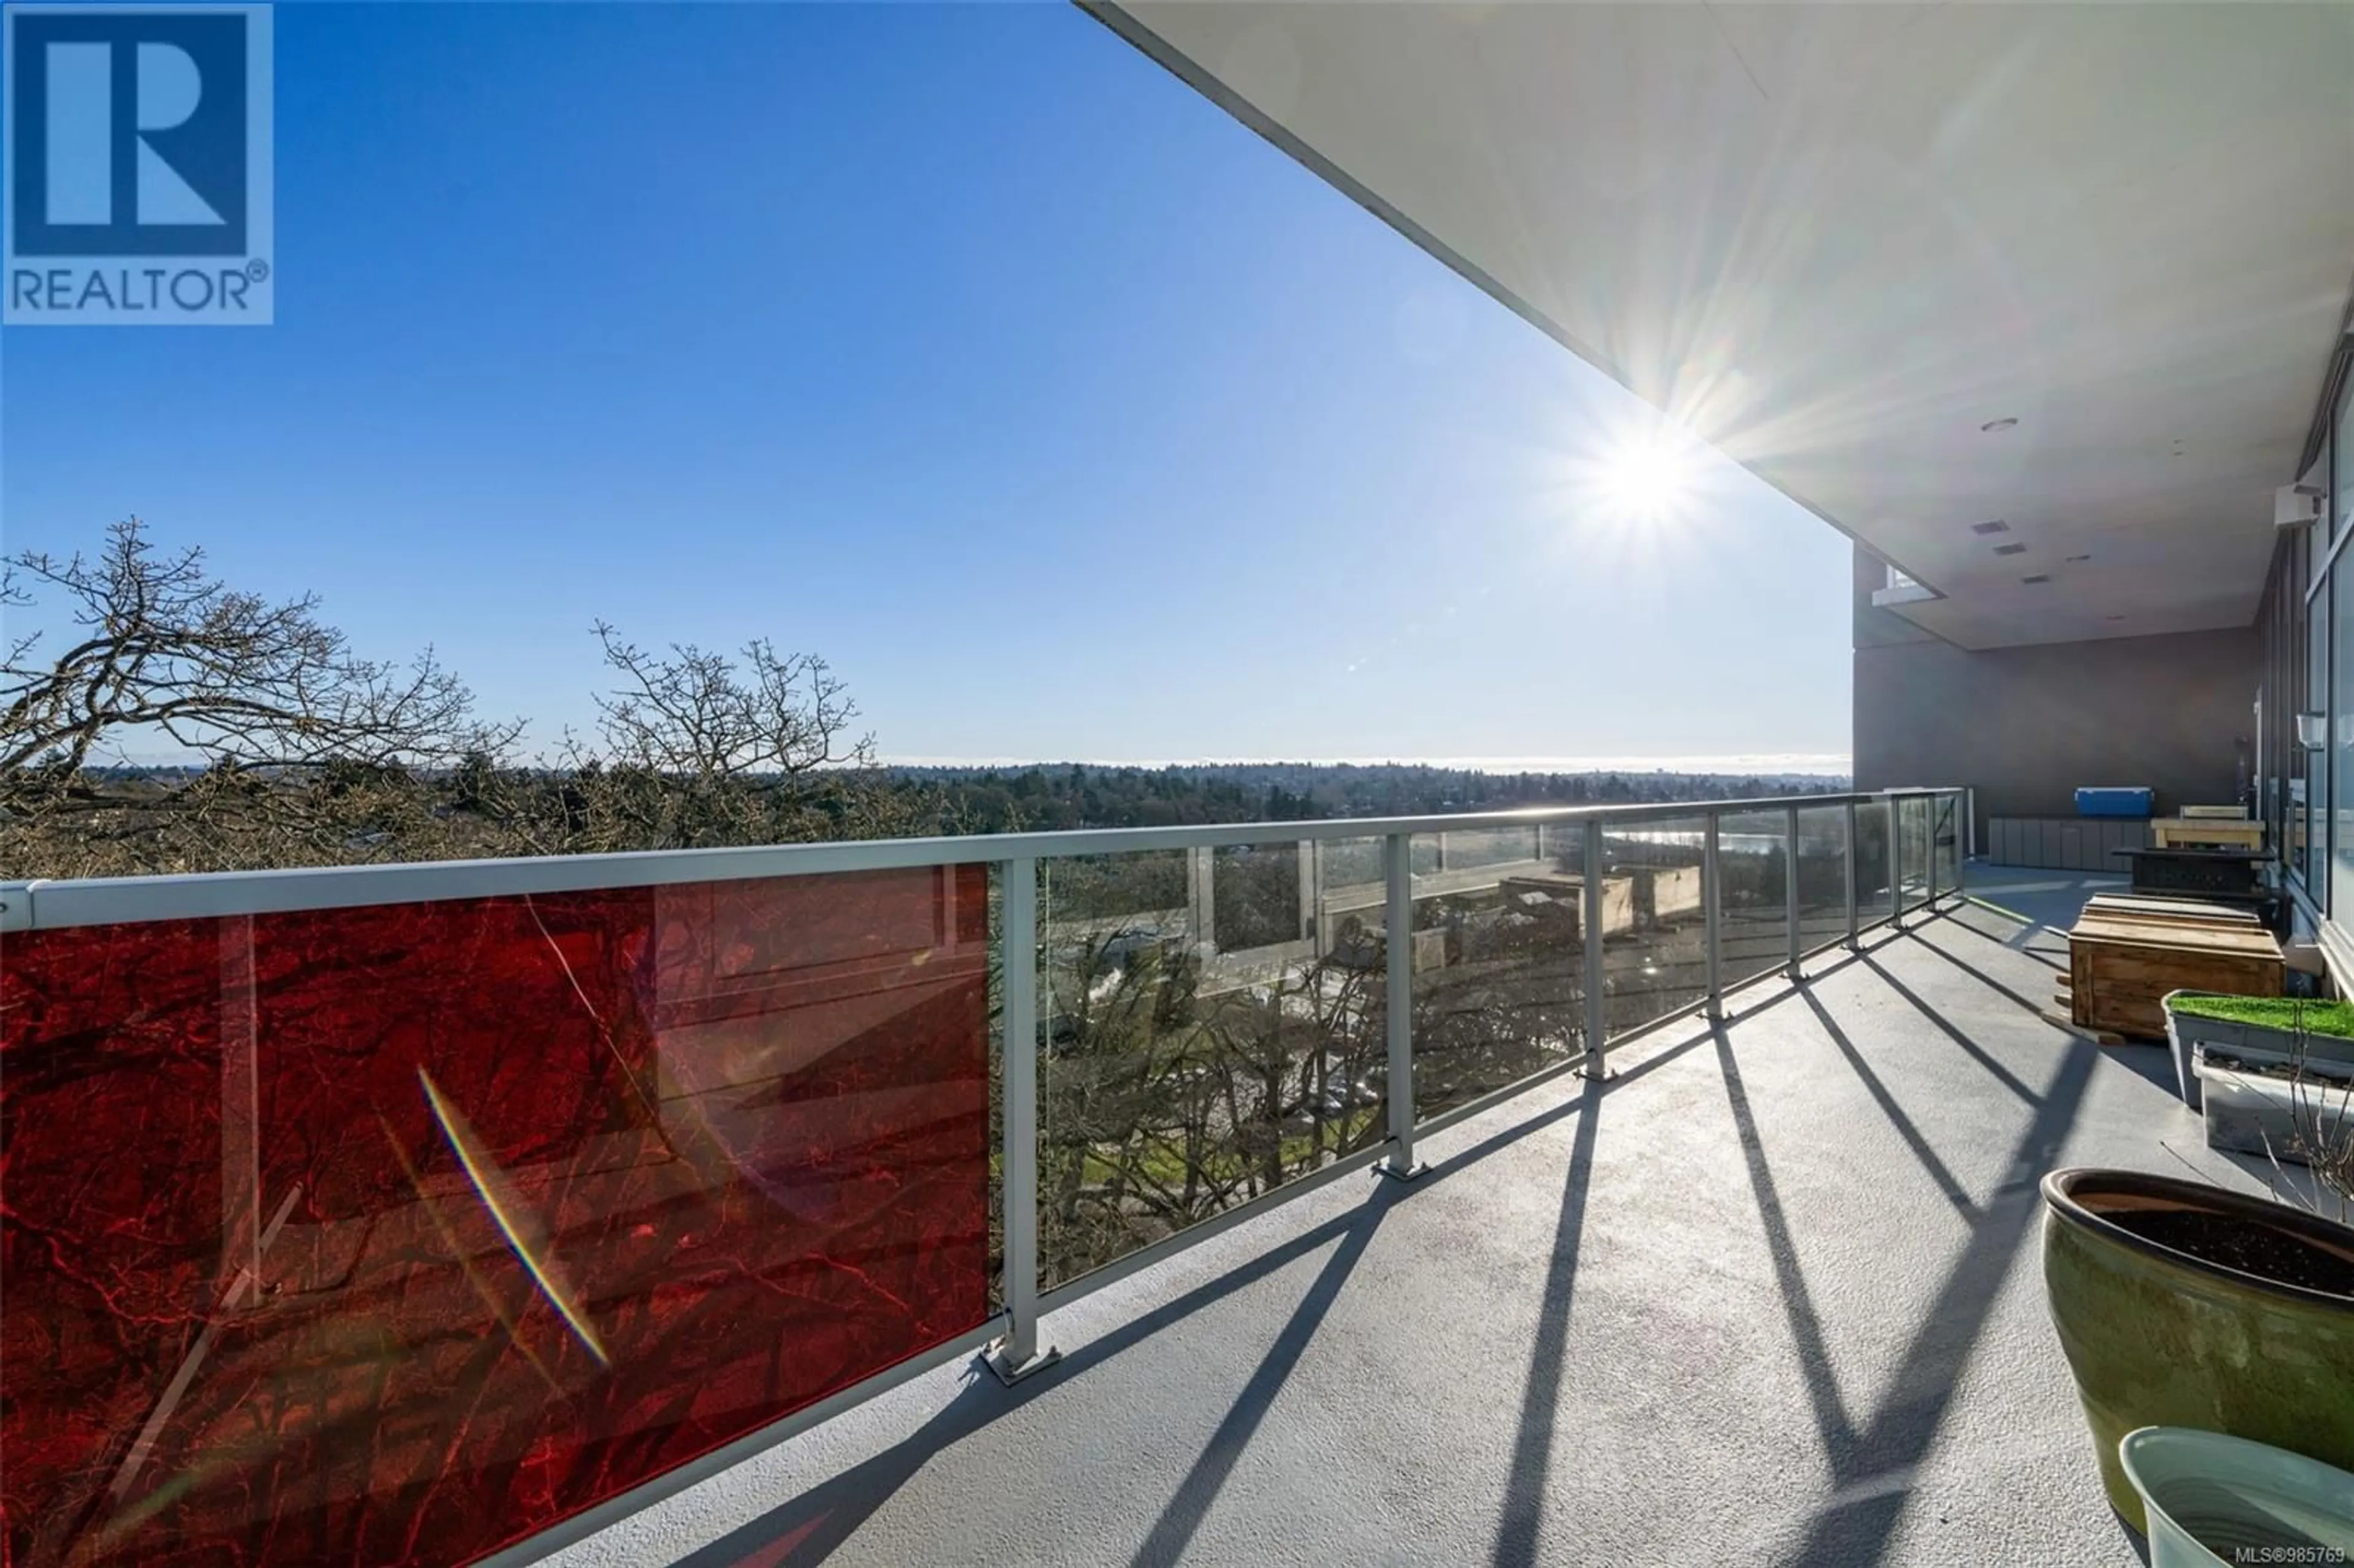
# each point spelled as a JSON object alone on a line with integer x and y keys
{"x": 2214, "y": 1500}
{"x": 2253, "y": 1107}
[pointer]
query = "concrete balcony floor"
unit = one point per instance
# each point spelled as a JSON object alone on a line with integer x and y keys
{"x": 1772, "y": 1295}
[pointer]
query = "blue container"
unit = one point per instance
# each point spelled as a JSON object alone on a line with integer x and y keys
{"x": 2112, "y": 800}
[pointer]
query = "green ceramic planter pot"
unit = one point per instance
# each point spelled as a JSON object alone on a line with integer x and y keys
{"x": 2158, "y": 1337}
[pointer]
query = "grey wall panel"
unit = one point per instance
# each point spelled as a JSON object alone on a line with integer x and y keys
{"x": 2027, "y": 725}
{"x": 2064, "y": 843}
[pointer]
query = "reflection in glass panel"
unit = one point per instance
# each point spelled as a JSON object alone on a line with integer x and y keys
{"x": 1872, "y": 898}
{"x": 1472, "y": 849}
{"x": 1655, "y": 953}
{"x": 1822, "y": 875}
{"x": 1257, "y": 897}
{"x": 397, "y": 1234}
{"x": 1752, "y": 856}
{"x": 1200, "y": 1053}
{"x": 1946, "y": 836}
{"x": 1348, "y": 864}
{"x": 1498, "y": 983}
{"x": 1913, "y": 843}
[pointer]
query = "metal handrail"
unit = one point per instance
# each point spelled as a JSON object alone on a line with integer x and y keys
{"x": 44, "y": 904}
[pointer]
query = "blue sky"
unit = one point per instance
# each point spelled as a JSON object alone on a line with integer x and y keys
{"x": 963, "y": 347}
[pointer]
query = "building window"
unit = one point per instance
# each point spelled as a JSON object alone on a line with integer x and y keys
{"x": 2341, "y": 745}
{"x": 1898, "y": 589}
{"x": 2312, "y": 848}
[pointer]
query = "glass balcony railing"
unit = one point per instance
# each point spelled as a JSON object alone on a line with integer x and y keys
{"x": 411, "y": 1214}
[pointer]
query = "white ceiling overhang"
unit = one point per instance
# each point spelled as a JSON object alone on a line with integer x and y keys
{"x": 1835, "y": 241}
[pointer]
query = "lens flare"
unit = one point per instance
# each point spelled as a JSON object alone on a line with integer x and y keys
{"x": 514, "y": 1219}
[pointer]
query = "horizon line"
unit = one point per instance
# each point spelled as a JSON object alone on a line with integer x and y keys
{"x": 1828, "y": 764}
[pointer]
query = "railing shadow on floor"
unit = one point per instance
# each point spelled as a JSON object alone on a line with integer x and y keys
{"x": 1872, "y": 1469}
{"x": 1952, "y": 1031}
{"x": 1855, "y": 1522}
{"x": 2026, "y": 1003}
{"x": 1897, "y": 1118}
{"x": 2022, "y": 928}
{"x": 1173, "y": 1530}
{"x": 1832, "y": 1419}
{"x": 808, "y": 1529}
{"x": 1525, "y": 1485}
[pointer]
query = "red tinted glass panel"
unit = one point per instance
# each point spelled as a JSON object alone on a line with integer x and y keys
{"x": 394, "y": 1234}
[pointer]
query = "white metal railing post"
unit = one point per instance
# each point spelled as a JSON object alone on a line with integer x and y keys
{"x": 1790, "y": 893}
{"x": 1896, "y": 863}
{"x": 1969, "y": 806}
{"x": 1016, "y": 1355}
{"x": 1598, "y": 1000}
{"x": 1851, "y": 927}
{"x": 1397, "y": 943}
{"x": 1711, "y": 891}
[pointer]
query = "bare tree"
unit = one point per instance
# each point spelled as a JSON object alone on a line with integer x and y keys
{"x": 302, "y": 753}
{"x": 779, "y": 717}
{"x": 169, "y": 656}
{"x": 298, "y": 751}
{"x": 698, "y": 747}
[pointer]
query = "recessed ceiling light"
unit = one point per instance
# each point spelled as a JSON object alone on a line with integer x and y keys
{"x": 2073, "y": 560}
{"x": 2037, "y": 577}
{"x": 2010, "y": 550}
{"x": 1995, "y": 526}
{"x": 1996, "y": 426}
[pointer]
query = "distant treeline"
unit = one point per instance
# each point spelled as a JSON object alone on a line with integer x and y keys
{"x": 1047, "y": 796}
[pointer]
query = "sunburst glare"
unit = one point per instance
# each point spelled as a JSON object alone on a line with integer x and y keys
{"x": 1647, "y": 475}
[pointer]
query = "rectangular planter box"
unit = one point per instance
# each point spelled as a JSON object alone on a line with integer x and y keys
{"x": 2249, "y": 1043}
{"x": 2253, "y": 1109}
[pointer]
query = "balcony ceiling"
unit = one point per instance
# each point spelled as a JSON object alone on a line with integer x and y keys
{"x": 1837, "y": 240}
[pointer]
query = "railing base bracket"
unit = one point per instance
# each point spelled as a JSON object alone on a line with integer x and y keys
{"x": 1397, "y": 1173}
{"x": 1009, "y": 1373}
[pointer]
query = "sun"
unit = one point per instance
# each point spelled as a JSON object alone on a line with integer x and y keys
{"x": 1646, "y": 475}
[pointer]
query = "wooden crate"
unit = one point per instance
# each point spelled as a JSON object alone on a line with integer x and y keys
{"x": 2119, "y": 969}
{"x": 2159, "y": 911}
{"x": 2206, "y": 832}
